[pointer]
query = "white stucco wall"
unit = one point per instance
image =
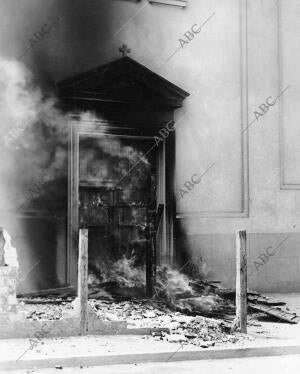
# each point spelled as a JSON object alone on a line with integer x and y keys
{"x": 209, "y": 130}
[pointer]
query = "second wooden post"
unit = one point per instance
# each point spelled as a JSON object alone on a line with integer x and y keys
{"x": 83, "y": 280}
{"x": 241, "y": 281}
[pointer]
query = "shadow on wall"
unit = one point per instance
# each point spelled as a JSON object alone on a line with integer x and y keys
{"x": 189, "y": 255}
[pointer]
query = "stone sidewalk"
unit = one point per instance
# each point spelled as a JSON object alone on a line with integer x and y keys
{"x": 109, "y": 350}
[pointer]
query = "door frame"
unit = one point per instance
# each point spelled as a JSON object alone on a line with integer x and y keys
{"x": 165, "y": 176}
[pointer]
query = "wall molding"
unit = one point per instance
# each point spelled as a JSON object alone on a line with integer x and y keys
{"x": 244, "y": 211}
{"x": 284, "y": 185}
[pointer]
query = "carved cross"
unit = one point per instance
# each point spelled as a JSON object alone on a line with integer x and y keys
{"x": 124, "y": 50}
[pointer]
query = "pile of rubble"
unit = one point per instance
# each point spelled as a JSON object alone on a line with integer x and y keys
{"x": 166, "y": 323}
{"x": 183, "y": 310}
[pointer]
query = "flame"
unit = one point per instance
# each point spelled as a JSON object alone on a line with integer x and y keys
{"x": 171, "y": 282}
{"x": 172, "y": 286}
{"x": 123, "y": 272}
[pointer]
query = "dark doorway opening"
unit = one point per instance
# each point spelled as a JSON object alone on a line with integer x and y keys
{"x": 117, "y": 198}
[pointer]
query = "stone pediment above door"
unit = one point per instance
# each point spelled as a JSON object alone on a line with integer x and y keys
{"x": 122, "y": 81}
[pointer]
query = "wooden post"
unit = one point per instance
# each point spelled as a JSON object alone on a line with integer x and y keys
{"x": 241, "y": 281}
{"x": 83, "y": 280}
{"x": 2, "y": 244}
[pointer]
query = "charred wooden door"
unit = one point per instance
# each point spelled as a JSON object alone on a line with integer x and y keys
{"x": 117, "y": 198}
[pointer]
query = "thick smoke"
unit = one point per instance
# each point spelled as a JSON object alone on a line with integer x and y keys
{"x": 33, "y": 167}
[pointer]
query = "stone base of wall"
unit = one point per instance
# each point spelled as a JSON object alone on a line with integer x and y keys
{"x": 17, "y": 326}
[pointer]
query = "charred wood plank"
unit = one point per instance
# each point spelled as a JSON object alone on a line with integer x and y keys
{"x": 252, "y": 296}
{"x": 56, "y": 301}
{"x": 159, "y": 214}
{"x": 276, "y": 312}
{"x": 264, "y": 300}
{"x": 61, "y": 292}
{"x": 151, "y": 263}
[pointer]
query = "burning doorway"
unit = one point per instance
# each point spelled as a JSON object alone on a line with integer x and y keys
{"x": 117, "y": 198}
{"x": 120, "y": 178}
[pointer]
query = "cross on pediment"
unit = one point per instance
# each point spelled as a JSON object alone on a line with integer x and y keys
{"x": 124, "y": 50}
